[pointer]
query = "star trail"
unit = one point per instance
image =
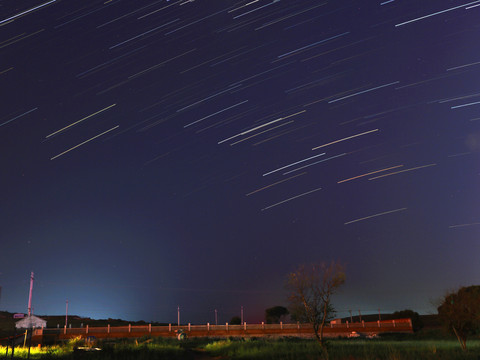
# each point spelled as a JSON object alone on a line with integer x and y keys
{"x": 158, "y": 154}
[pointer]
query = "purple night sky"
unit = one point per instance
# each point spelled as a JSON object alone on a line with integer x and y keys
{"x": 192, "y": 153}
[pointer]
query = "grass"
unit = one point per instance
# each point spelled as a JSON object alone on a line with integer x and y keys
{"x": 344, "y": 349}
{"x": 258, "y": 349}
{"x": 121, "y": 349}
{"x": 35, "y": 353}
{"x": 264, "y": 349}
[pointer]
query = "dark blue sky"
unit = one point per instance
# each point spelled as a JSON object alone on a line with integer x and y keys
{"x": 192, "y": 153}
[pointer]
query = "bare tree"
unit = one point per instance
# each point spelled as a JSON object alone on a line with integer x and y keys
{"x": 310, "y": 293}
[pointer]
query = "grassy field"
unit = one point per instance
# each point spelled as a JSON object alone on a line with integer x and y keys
{"x": 122, "y": 349}
{"x": 290, "y": 348}
{"x": 345, "y": 349}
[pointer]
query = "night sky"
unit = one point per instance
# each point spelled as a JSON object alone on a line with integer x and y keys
{"x": 157, "y": 154}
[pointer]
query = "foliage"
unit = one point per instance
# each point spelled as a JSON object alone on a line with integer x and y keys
{"x": 218, "y": 346}
{"x": 310, "y": 293}
{"x": 417, "y": 323}
{"x": 274, "y": 314}
{"x": 235, "y": 321}
{"x": 75, "y": 342}
{"x": 460, "y": 313}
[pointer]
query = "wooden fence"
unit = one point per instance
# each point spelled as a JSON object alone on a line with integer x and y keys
{"x": 245, "y": 330}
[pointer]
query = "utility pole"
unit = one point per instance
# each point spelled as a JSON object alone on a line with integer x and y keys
{"x": 216, "y": 317}
{"x": 379, "y": 316}
{"x": 66, "y": 313}
{"x": 178, "y": 315}
{"x": 360, "y": 314}
{"x": 30, "y": 296}
{"x": 351, "y": 318}
{"x": 241, "y": 315}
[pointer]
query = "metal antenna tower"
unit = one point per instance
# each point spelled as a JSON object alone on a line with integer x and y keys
{"x": 30, "y": 295}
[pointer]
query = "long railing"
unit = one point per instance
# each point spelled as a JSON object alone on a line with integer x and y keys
{"x": 332, "y": 329}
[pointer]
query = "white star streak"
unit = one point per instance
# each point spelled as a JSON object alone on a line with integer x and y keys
{"x": 364, "y": 91}
{"x": 218, "y": 112}
{"x": 16, "y": 117}
{"x": 295, "y": 163}
{"x": 83, "y": 143}
{"x": 275, "y": 183}
{"x": 238, "y": 8}
{"x": 463, "y": 225}
{"x": 76, "y": 122}
{"x": 150, "y": 13}
{"x": 259, "y": 126}
{"x": 208, "y": 97}
{"x": 158, "y": 65}
{"x": 372, "y": 216}
{"x": 19, "y": 39}
{"x": 288, "y": 16}
{"x": 256, "y": 9}
{"x": 346, "y": 138}
{"x": 469, "y": 104}
{"x": 466, "y": 65}
{"x": 261, "y": 73}
{"x": 315, "y": 163}
{"x": 261, "y": 132}
{"x": 142, "y": 34}
{"x": 309, "y": 46}
{"x": 370, "y": 173}
{"x": 402, "y": 171}
{"x": 194, "y": 22}
{"x": 289, "y": 199}
{"x": 436, "y": 13}
{"x": 26, "y": 12}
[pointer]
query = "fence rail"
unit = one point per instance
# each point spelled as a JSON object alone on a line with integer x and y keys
{"x": 332, "y": 329}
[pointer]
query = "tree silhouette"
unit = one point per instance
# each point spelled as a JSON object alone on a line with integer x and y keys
{"x": 310, "y": 291}
{"x": 417, "y": 323}
{"x": 235, "y": 320}
{"x": 460, "y": 313}
{"x": 274, "y": 314}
